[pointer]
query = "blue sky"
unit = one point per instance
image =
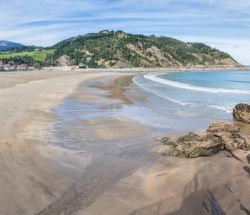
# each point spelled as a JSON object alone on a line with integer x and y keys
{"x": 224, "y": 24}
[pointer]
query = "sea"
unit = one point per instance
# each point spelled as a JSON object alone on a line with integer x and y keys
{"x": 152, "y": 105}
{"x": 166, "y": 103}
{"x": 196, "y": 96}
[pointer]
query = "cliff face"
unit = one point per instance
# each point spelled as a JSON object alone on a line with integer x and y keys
{"x": 119, "y": 49}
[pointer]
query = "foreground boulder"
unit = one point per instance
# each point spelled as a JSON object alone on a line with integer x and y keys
{"x": 241, "y": 113}
{"x": 219, "y": 136}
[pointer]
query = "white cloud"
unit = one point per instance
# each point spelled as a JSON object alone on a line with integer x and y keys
{"x": 49, "y": 21}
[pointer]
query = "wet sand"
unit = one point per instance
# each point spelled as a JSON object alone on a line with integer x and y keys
{"x": 87, "y": 157}
{"x": 33, "y": 170}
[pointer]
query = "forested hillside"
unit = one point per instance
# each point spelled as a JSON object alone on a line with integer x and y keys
{"x": 120, "y": 49}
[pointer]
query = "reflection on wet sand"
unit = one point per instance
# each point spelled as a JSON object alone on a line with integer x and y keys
{"x": 98, "y": 153}
{"x": 127, "y": 171}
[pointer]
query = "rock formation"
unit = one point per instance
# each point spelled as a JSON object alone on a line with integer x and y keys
{"x": 241, "y": 113}
{"x": 248, "y": 159}
{"x": 219, "y": 136}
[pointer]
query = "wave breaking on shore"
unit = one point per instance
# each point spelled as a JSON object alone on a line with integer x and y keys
{"x": 156, "y": 78}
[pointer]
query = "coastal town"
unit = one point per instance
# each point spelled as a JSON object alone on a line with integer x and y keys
{"x": 14, "y": 67}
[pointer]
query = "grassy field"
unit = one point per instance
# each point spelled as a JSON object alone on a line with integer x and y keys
{"x": 37, "y": 55}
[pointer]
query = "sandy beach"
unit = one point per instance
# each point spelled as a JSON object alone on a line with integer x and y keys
{"x": 113, "y": 164}
{"x": 30, "y": 178}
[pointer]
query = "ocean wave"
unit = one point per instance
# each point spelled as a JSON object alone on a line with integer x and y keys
{"x": 155, "y": 78}
{"x": 142, "y": 86}
{"x": 223, "y": 108}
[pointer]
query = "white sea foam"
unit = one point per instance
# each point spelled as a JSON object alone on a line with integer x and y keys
{"x": 223, "y": 108}
{"x": 155, "y": 78}
{"x": 142, "y": 86}
{"x": 226, "y": 107}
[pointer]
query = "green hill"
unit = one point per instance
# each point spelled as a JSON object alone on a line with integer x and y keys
{"x": 4, "y": 45}
{"x": 32, "y": 58}
{"x": 36, "y": 55}
{"x": 120, "y": 49}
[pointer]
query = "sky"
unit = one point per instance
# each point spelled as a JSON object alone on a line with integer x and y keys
{"x": 223, "y": 24}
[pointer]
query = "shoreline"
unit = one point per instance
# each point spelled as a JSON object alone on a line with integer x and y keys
{"x": 171, "y": 185}
{"x": 136, "y": 69}
{"x": 147, "y": 70}
{"x": 107, "y": 167}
